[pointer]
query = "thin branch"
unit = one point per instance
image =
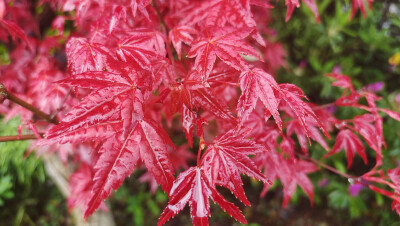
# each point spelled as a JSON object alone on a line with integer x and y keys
{"x": 5, "y": 94}
{"x": 323, "y": 165}
{"x": 19, "y": 137}
{"x": 324, "y": 106}
{"x": 54, "y": 115}
{"x": 160, "y": 18}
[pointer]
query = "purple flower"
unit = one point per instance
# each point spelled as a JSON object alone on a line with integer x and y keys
{"x": 374, "y": 87}
{"x": 331, "y": 109}
{"x": 398, "y": 98}
{"x": 303, "y": 64}
{"x": 337, "y": 69}
{"x": 354, "y": 189}
{"x": 323, "y": 182}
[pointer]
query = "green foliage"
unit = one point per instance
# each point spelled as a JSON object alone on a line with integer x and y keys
{"x": 361, "y": 48}
{"x": 26, "y": 197}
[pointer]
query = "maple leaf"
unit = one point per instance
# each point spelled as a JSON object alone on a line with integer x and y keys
{"x": 313, "y": 7}
{"x": 226, "y": 45}
{"x": 141, "y": 5}
{"x": 274, "y": 56}
{"x": 141, "y": 47}
{"x": 342, "y": 81}
{"x": 188, "y": 122}
{"x": 292, "y": 95}
{"x": 99, "y": 114}
{"x": 394, "y": 175}
{"x": 84, "y": 56}
{"x": 207, "y": 100}
{"x": 120, "y": 154}
{"x": 14, "y": 30}
{"x": 193, "y": 186}
{"x": 258, "y": 85}
{"x": 119, "y": 13}
{"x": 291, "y": 172}
{"x": 291, "y": 4}
{"x": 348, "y": 141}
{"x": 80, "y": 185}
{"x": 294, "y": 126}
{"x": 227, "y": 158}
{"x": 393, "y": 114}
{"x": 359, "y": 4}
{"x": 363, "y": 125}
{"x": 294, "y": 172}
{"x": 181, "y": 34}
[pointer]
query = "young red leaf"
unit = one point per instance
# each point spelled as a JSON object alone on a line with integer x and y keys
{"x": 394, "y": 176}
{"x": 80, "y": 185}
{"x": 207, "y": 100}
{"x": 342, "y": 81}
{"x": 100, "y": 111}
{"x": 226, "y": 45}
{"x": 141, "y": 47}
{"x": 258, "y": 85}
{"x": 193, "y": 186}
{"x": 227, "y": 158}
{"x": 294, "y": 172}
{"x": 141, "y": 5}
{"x": 295, "y": 126}
{"x": 236, "y": 13}
{"x": 84, "y": 56}
{"x": 14, "y": 30}
{"x": 291, "y": 4}
{"x": 119, "y": 13}
{"x": 181, "y": 34}
{"x": 118, "y": 157}
{"x": 188, "y": 122}
{"x": 120, "y": 154}
{"x": 358, "y": 4}
{"x": 291, "y": 172}
{"x": 363, "y": 125}
{"x": 313, "y": 7}
{"x": 348, "y": 141}
{"x": 291, "y": 96}
{"x": 393, "y": 114}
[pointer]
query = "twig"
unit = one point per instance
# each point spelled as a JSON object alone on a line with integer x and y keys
{"x": 19, "y": 137}
{"x": 160, "y": 18}
{"x": 54, "y": 115}
{"x": 323, "y": 165}
{"x": 5, "y": 94}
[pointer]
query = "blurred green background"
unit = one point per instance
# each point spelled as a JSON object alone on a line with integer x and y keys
{"x": 361, "y": 48}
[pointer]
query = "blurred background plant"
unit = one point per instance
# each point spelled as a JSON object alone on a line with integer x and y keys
{"x": 27, "y": 196}
{"x": 366, "y": 49}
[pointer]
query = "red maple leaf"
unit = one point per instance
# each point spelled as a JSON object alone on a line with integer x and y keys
{"x": 258, "y": 85}
{"x": 291, "y": 97}
{"x": 359, "y": 4}
{"x": 363, "y": 125}
{"x": 141, "y": 47}
{"x": 85, "y": 56}
{"x": 227, "y": 158}
{"x": 291, "y": 4}
{"x": 226, "y": 44}
{"x": 348, "y": 141}
{"x": 181, "y": 34}
{"x": 120, "y": 154}
{"x": 294, "y": 172}
{"x": 193, "y": 186}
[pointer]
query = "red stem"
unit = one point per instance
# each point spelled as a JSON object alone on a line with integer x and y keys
{"x": 323, "y": 165}
{"x": 4, "y": 92}
{"x": 324, "y": 106}
{"x": 19, "y": 137}
{"x": 226, "y": 83}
